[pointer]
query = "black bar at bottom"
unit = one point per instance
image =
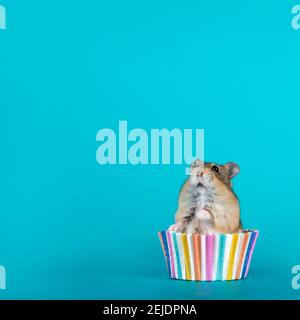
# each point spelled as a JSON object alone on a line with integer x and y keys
{"x": 140, "y": 309}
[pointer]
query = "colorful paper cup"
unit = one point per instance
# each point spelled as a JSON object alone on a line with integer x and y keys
{"x": 208, "y": 257}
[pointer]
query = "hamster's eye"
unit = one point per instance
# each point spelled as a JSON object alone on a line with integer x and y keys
{"x": 215, "y": 168}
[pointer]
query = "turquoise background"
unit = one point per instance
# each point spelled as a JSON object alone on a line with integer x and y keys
{"x": 71, "y": 228}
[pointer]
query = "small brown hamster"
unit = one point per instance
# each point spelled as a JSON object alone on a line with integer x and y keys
{"x": 206, "y": 202}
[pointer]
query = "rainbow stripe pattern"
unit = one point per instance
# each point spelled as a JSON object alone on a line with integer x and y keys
{"x": 208, "y": 257}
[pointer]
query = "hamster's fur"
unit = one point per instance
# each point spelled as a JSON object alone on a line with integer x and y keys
{"x": 206, "y": 202}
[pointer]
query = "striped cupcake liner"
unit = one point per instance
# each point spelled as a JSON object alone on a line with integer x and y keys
{"x": 208, "y": 257}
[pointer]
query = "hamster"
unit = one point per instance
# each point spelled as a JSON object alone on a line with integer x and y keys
{"x": 206, "y": 202}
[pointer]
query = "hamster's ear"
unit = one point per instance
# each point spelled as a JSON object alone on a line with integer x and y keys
{"x": 232, "y": 169}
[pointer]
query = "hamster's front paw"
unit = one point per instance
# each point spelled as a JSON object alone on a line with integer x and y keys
{"x": 177, "y": 227}
{"x": 172, "y": 227}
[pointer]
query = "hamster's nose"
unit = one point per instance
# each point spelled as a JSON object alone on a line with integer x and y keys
{"x": 199, "y": 174}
